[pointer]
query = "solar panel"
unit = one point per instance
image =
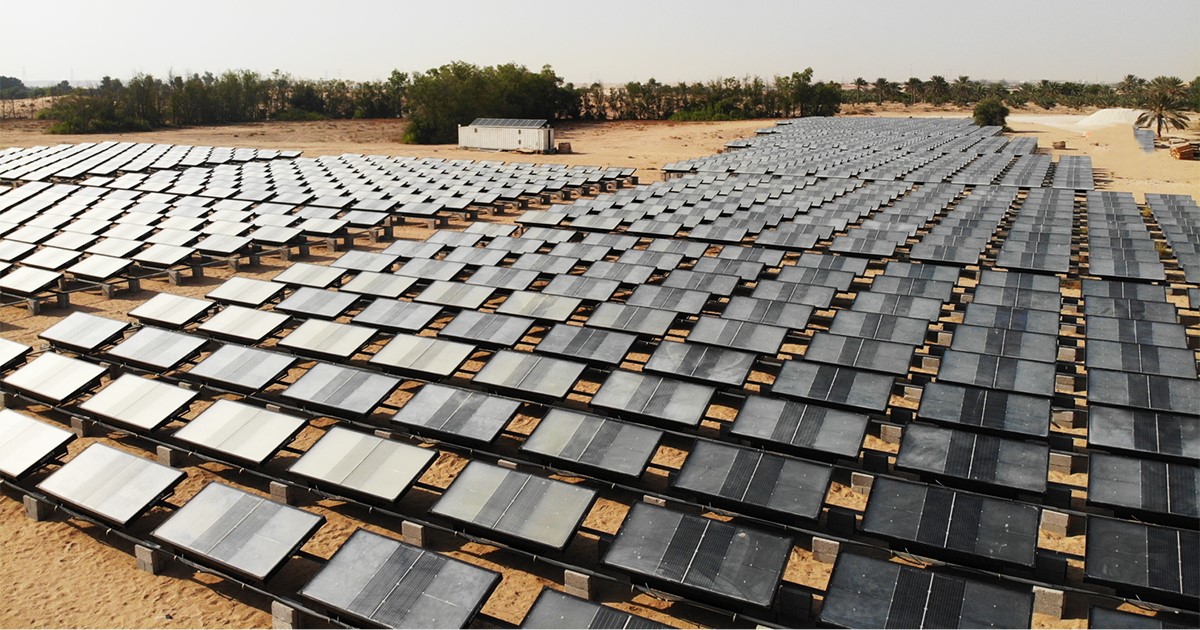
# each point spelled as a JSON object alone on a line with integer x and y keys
{"x": 710, "y": 364}
{"x": 423, "y": 355}
{"x": 1028, "y": 320}
{"x": 653, "y": 398}
{"x": 1146, "y": 359}
{"x": 710, "y": 283}
{"x": 243, "y": 324}
{"x": 553, "y": 609}
{"x": 956, "y": 525}
{"x": 866, "y": 592}
{"x": 364, "y": 464}
{"x": 54, "y": 378}
{"x": 587, "y": 344}
{"x": 456, "y": 294}
{"x": 1122, "y": 308}
{"x": 583, "y": 288}
{"x": 514, "y": 505}
{"x": 397, "y": 315}
{"x": 1007, "y": 343}
{"x": 539, "y": 306}
{"x": 700, "y": 557}
{"x": 459, "y": 413}
{"x": 770, "y": 312}
{"x": 993, "y": 372}
{"x": 389, "y": 583}
{"x": 806, "y": 429}
{"x": 138, "y": 402}
{"x": 667, "y": 298}
{"x": 111, "y": 484}
{"x": 378, "y": 284}
{"x": 755, "y": 482}
{"x": 898, "y": 305}
{"x": 834, "y": 384}
{"x": 1169, "y": 335}
{"x": 83, "y": 332}
{"x": 598, "y": 445}
{"x": 238, "y": 531}
{"x": 868, "y": 354}
{"x": 240, "y": 368}
{"x": 974, "y": 460}
{"x": 243, "y": 432}
{"x": 1107, "y": 619}
{"x": 1149, "y": 433}
{"x": 739, "y": 335}
{"x": 327, "y": 339}
{"x": 487, "y": 328}
{"x": 170, "y": 310}
{"x": 632, "y": 319}
{"x": 246, "y": 291}
{"x": 157, "y": 349}
{"x": 26, "y": 443}
{"x": 1149, "y": 560}
{"x": 530, "y": 375}
{"x": 986, "y": 409}
{"x": 1144, "y": 391}
{"x": 340, "y": 390}
{"x": 310, "y": 302}
{"x": 1143, "y": 486}
{"x": 808, "y": 294}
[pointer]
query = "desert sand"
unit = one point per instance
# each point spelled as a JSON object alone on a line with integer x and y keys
{"x": 63, "y": 573}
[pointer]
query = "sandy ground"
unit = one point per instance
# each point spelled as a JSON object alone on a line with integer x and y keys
{"x": 63, "y": 573}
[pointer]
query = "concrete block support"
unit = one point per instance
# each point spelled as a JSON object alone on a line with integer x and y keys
{"x": 1048, "y": 601}
{"x": 1056, "y": 523}
{"x": 284, "y": 493}
{"x": 168, "y": 456}
{"x": 825, "y": 550}
{"x": 152, "y": 561}
{"x": 413, "y": 533}
{"x": 36, "y": 509}
{"x": 578, "y": 584}
{"x": 284, "y": 617}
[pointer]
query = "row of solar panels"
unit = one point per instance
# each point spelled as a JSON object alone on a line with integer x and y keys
{"x": 73, "y": 161}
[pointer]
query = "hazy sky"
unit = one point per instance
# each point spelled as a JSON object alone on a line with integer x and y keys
{"x": 610, "y": 41}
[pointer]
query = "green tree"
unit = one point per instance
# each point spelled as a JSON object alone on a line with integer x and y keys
{"x": 860, "y": 89}
{"x": 882, "y": 89}
{"x": 1163, "y": 105}
{"x": 914, "y": 88}
{"x": 990, "y": 112}
{"x": 938, "y": 89}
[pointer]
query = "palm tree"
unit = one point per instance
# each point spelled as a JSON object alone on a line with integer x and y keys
{"x": 860, "y": 86}
{"x": 937, "y": 89}
{"x": 881, "y": 87}
{"x": 962, "y": 90}
{"x": 1164, "y": 101}
{"x": 914, "y": 87}
{"x": 1131, "y": 87}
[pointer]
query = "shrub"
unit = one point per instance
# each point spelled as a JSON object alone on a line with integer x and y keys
{"x": 990, "y": 112}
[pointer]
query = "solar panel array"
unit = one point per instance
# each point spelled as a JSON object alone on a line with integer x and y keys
{"x": 836, "y": 298}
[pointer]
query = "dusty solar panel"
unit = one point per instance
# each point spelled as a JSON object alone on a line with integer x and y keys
{"x": 739, "y": 335}
{"x": 632, "y": 319}
{"x": 504, "y": 278}
{"x": 26, "y": 443}
{"x": 976, "y": 528}
{"x": 246, "y": 291}
{"x": 487, "y": 328}
{"x": 310, "y": 302}
{"x": 797, "y": 427}
{"x": 83, "y": 332}
{"x": 1144, "y": 432}
{"x": 1006, "y": 343}
{"x": 1146, "y": 359}
{"x": 397, "y": 315}
{"x": 172, "y": 311}
{"x": 1028, "y": 320}
{"x": 426, "y": 269}
{"x": 1169, "y": 335}
{"x": 243, "y": 324}
{"x": 244, "y": 432}
{"x": 378, "y": 284}
{"x": 139, "y": 402}
{"x": 327, "y": 339}
{"x": 309, "y": 275}
{"x": 755, "y": 482}
{"x": 364, "y": 464}
{"x": 987, "y": 409}
{"x": 1155, "y": 562}
{"x": 586, "y": 344}
{"x": 241, "y": 368}
{"x": 867, "y": 354}
{"x": 711, "y": 364}
{"x": 710, "y": 283}
{"x": 770, "y": 312}
{"x": 157, "y": 349}
{"x": 54, "y": 378}
{"x": 834, "y": 384}
{"x": 456, "y": 294}
{"x": 993, "y": 372}
{"x": 812, "y": 295}
{"x": 700, "y": 557}
{"x": 999, "y": 464}
{"x": 667, "y": 298}
{"x": 539, "y": 306}
{"x": 899, "y": 305}
{"x": 529, "y": 374}
{"x": 1143, "y": 486}
{"x": 1125, "y": 308}
{"x": 1144, "y": 391}
{"x": 516, "y": 505}
{"x": 239, "y": 531}
{"x": 866, "y": 592}
{"x": 653, "y": 398}
{"x": 1108, "y": 619}
{"x": 459, "y": 413}
{"x": 341, "y": 391}
{"x": 423, "y": 355}
{"x": 553, "y": 609}
{"x": 583, "y": 288}
{"x": 601, "y": 446}
{"x": 111, "y": 484}
{"x": 389, "y": 583}
{"x": 28, "y": 281}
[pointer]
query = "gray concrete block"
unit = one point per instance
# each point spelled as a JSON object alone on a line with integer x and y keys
{"x": 578, "y": 584}
{"x": 413, "y": 533}
{"x": 284, "y": 617}
{"x": 1061, "y": 463}
{"x": 168, "y": 456}
{"x": 152, "y": 561}
{"x": 825, "y": 550}
{"x": 1048, "y": 601}
{"x": 284, "y": 493}
{"x": 654, "y": 500}
{"x": 1056, "y": 523}
{"x": 890, "y": 433}
{"x": 861, "y": 482}
{"x": 36, "y": 509}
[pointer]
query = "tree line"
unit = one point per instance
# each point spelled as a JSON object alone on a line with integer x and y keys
{"x": 436, "y": 101}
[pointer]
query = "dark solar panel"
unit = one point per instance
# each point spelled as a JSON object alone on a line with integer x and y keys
{"x": 592, "y": 345}
{"x": 1144, "y": 486}
{"x": 867, "y": 354}
{"x": 1155, "y": 562}
{"x": 987, "y": 409}
{"x": 389, "y": 583}
{"x": 834, "y": 384}
{"x": 653, "y": 398}
{"x": 754, "y": 481}
{"x": 632, "y": 319}
{"x": 974, "y": 460}
{"x": 700, "y": 557}
{"x": 1144, "y": 432}
{"x": 341, "y": 391}
{"x": 711, "y": 364}
{"x": 553, "y": 609}
{"x": 1144, "y": 391}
